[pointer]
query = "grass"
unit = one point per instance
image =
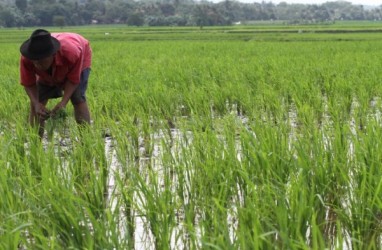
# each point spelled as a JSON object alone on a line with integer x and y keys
{"x": 214, "y": 140}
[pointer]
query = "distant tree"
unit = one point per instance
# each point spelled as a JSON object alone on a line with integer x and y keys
{"x": 85, "y": 15}
{"x": 374, "y": 14}
{"x": 59, "y": 21}
{"x": 118, "y": 11}
{"x": 357, "y": 12}
{"x": 282, "y": 10}
{"x": 208, "y": 15}
{"x": 229, "y": 10}
{"x": 22, "y": 5}
{"x": 268, "y": 10}
{"x": 177, "y": 20}
{"x": 96, "y": 6}
{"x": 174, "y": 12}
{"x": 10, "y": 17}
{"x": 156, "y": 21}
{"x": 46, "y": 13}
{"x": 201, "y": 15}
{"x": 42, "y": 3}
{"x": 30, "y": 20}
{"x": 44, "y": 16}
{"x": 135, "y": 20}
{"x": 167, "y": 9}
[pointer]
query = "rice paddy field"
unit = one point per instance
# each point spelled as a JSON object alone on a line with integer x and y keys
{"x": 251, "y": 137}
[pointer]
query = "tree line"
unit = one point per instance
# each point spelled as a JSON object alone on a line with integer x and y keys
{"x": 24, "y": 13}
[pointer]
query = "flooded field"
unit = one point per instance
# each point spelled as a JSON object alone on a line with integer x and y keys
{"x": 267, "y": 142}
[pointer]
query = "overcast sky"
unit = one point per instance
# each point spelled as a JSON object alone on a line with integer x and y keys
{"x": 363, "y": 2}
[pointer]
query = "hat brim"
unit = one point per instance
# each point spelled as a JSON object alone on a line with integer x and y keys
{"x": 32, "y": 56}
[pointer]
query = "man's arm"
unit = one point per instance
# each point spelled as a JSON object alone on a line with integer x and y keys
{"x": 39, "y": 108}
{"x": 69, "y": 89}
{"x": 32, "y": 93}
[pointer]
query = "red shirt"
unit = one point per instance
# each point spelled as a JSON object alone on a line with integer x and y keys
{"x": 69, "y": 61}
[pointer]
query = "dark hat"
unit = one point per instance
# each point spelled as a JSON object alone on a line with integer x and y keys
{"x": 40, "y": 45}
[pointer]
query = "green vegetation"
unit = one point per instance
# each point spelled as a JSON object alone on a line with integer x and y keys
{"x": 224, "y": 138}
{"x": 60, "y": 13}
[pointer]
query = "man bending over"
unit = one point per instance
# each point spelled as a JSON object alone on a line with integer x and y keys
{"x": 55, "y": 65}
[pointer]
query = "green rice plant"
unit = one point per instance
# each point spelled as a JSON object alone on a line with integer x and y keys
{"x": 12, "y": 210}
{"x": 56, "y": 123}
{"x": 127, "y": 201}
{"x": 156, "y": 205}
{"x": 264, "y": 180}
{"x": 211, "y": 183}
{"x": 327, "y": 178}
{"x": 363, "y": 218}
{"x": 179, "y": 157}
{"x": 72, "y": 225}
{"x": 90, "y": 169}
{"x": 83, "y": 222}
{"x": 126, "y": 144}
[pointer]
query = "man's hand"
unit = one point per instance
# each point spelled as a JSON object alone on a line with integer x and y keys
{"x": 42, "y": 111}
{"x": 60, "y": 106}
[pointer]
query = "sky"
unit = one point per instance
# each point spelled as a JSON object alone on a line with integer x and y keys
{"x": 363, "y": 2}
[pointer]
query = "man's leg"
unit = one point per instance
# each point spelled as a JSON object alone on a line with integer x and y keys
{"x": 81, "y": 113}
{"x": 78, "y": 98}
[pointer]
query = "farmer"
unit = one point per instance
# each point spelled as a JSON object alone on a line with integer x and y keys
{"x": 52, "y": 66}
